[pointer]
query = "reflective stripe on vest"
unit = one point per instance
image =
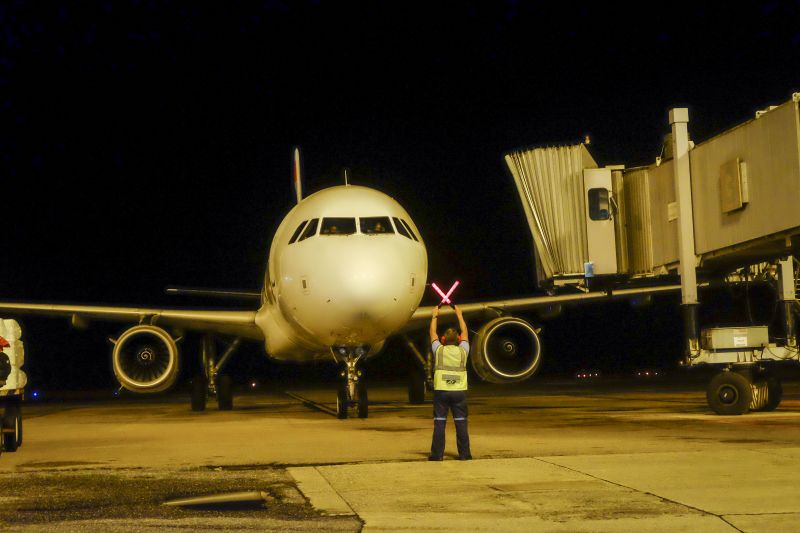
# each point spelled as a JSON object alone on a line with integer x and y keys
{"x": 450, "y": 370}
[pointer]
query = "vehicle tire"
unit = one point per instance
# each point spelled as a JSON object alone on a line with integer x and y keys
{"x": 199, "y": 393}
{"x": 363, "y": 400}
{"x": 342, "y": 403}
{"x": 225, "y": 393}
{"x": 729, "y": 393}
{"x": 12, "y": 419}
{"x": 774, "y": 394}
{"x": 416, "y": 387}
{"x": 19, "y": 431}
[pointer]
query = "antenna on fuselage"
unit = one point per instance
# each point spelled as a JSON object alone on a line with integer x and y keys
{"x": 346, "y": 183}
{"x": 298, "y": 183}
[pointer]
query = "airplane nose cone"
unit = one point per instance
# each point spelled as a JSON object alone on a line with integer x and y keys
{"x": 370, "y": 285}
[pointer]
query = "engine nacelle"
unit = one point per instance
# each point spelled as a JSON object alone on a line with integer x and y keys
{"x": 506, "y": 350}
{"x": 145, "y": 359}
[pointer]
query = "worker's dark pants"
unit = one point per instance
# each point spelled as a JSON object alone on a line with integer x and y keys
{"x": 457, "y": 402}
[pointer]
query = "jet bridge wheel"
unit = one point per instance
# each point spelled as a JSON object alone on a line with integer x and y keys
{"x": 225, "y": 393}
{"x": 729, "y": 393}
{"x": 199, "y": 393}
{"x": 12, "y": 426}
{"x": 774, "y": 394}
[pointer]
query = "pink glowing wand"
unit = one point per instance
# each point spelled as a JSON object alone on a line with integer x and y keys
{"x": 446, "y": 297}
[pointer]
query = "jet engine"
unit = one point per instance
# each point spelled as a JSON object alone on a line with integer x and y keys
{"x": 145, "y": 359}
{"x": 506, "y": 350}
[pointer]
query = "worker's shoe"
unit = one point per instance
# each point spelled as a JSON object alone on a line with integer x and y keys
{"x": 465, "y": 458}
{"x": 434, "y": 458}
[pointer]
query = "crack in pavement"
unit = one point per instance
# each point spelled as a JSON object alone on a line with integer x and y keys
{"x": 687, "y": 506}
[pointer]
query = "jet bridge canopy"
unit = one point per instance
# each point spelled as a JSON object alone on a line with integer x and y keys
{"x": 550, "y": 184}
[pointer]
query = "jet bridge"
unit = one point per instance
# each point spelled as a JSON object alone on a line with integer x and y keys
{"x": 719, "y": 211}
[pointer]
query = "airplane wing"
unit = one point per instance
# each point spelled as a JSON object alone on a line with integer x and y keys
{"x": 491, "y": 309}
{"x": 238, "y": 323}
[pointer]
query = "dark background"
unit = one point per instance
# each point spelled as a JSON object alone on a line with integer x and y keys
{"x": 147, "y": 143}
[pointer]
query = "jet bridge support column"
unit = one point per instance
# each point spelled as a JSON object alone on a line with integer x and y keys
{"x": 788, "y": 299}
{"x": 678, "y": 119}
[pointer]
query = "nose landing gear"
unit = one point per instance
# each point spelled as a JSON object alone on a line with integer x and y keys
{"x": 353, "y": 390}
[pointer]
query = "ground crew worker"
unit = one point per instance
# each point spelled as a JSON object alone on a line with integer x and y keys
{"x": 450, "y": 385}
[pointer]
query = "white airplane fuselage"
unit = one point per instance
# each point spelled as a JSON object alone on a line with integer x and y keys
{"x": 351, "y": 281}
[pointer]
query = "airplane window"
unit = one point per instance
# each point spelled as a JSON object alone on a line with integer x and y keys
{"x": 408, "y": 227}
{"x": 375, "y": 225}
{"x": 338, "y": 226}
{"x": 311, "y": 229}
{"x": 296, "y": 233}
{"x": 401, "y": 229}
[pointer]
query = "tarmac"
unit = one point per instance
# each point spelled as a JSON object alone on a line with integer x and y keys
{"x": 550, "y": 455}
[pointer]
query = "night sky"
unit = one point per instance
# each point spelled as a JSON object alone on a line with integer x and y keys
{"x": 146, "y": 144}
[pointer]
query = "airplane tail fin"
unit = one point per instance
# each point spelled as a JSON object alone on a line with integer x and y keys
{"x": 298, "y": 182}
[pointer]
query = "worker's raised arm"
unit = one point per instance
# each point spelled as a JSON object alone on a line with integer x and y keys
{"x": 462, "y": 326}
{"x": 434, "y": 320}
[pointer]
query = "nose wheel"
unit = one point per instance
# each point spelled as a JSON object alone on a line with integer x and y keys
{"x": 352, "y": 392}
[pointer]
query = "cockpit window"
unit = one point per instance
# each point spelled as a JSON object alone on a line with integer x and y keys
{"x": 296, "y": 233}
{"x": 408, "y": 227}
{"x": 311, "y": 229}
{"x": 401, "y": 229}
{"x": 375, "y": 225}
{"x": 338, "y": 226}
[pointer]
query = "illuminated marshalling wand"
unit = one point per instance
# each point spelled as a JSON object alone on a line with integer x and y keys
{"x": 446, "y": 297}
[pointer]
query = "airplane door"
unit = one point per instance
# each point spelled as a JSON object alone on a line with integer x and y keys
{"x": 601, "y": 240}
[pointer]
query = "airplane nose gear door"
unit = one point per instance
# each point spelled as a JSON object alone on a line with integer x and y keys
{"x": 353, "y": 390}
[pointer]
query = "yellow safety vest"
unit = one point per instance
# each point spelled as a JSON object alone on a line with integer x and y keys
{"x": 450, "y": 370}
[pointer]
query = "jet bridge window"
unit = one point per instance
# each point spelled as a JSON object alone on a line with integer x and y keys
{"x": 401, "y": 229}
{"x": 375, "y": 225}
{"x": 296, "y": 233}
{"x": 408, "y": 227}
{"x": 599, "y": 204}
{"x": 311, "y": 229}
{"x": 338, "y": 226}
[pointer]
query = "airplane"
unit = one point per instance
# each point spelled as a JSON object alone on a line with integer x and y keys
{"x": 347, "y": 269}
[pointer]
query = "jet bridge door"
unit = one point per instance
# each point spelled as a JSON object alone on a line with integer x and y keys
{"x": 600, "y": 237}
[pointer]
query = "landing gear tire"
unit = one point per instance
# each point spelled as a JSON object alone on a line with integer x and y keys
{"x": 225, "y": 393}
{"x": 199, "y": 393}
{"x": 12, "y": 427}
{"x": 363, "y": 401}
{"x": 416, "y": 387}
{"x": 342, "y": 403}
{"x": 729, "y": 393}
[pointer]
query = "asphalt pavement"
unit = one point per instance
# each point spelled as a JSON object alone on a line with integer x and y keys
{"x": 550, "y": 455}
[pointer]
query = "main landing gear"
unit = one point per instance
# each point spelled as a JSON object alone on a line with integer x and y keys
{"x": 735, "y": 391}
{"x": 210, "y": 382}
{"x": 419, "y": 374}
{"x": 353, "y": 390}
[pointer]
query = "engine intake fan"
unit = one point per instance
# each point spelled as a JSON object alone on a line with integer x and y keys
{"x": 145, "y": 359}
{"x": 506, "y": 350}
